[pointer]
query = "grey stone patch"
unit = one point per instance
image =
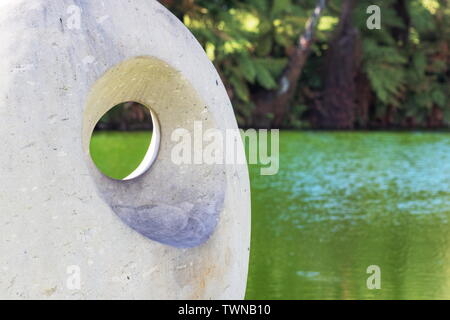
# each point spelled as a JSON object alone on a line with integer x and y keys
{"x": 182, "y": 226}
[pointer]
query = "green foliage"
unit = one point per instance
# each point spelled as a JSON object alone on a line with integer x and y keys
{"x": 249, "y": 42}
{"x": 381, "y": 64}
{"x": 410, "y": 77}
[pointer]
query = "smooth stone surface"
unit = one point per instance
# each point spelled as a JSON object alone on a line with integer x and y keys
{"x": 178, "y": 205}
{"x": 57, "y": 211}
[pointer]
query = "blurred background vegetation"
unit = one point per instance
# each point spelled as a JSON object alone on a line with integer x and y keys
{"x": 301, "y": 64}
{"x": 352, "y": 77}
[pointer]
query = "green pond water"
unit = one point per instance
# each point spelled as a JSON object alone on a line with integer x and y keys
{"x": 340, "y": 203}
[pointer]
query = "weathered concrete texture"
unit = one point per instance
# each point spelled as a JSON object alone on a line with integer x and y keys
{"x": 173, "y": 204}
{"x": 57, "y": 210}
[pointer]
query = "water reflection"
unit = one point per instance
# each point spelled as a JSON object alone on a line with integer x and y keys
{"x": 344, "y": 201}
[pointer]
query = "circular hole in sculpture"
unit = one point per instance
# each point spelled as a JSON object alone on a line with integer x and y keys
{"x": 125, "y": 141}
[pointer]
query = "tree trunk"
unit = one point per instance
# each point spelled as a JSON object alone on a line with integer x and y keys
{"x": 341, "y": 69}
{"x": 277, "y": 102}
{"x": 364, "y": 99}
{"x": 401, "y": 34}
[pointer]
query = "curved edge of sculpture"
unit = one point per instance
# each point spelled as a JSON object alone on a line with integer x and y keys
{"x": 59, "y": 213}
